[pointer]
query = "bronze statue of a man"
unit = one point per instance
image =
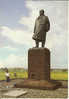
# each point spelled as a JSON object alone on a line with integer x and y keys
{"x": 42, "y": 25}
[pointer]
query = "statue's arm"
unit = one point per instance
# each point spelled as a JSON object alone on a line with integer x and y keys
{"x": 34, "y": 28}
{"x": 48, "y": 24}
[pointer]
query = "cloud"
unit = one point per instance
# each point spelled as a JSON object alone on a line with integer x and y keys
{"x": 17, "y": 35}
{"x": 1, "y": 64}
{"x": 14, "y": 61}
{"x": 10, "y": 48}
{"x": 57, "y": 36}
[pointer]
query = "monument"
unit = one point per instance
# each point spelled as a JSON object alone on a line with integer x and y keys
{"x": 39, "y": 58}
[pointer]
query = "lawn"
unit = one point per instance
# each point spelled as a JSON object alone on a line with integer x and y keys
{"x": 62, "y": 75}
{"x": 19, "y": 74}
{"x": 55, "y": 75}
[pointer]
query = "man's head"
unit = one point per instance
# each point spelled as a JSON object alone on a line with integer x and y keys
{"x": 41, "y": 12}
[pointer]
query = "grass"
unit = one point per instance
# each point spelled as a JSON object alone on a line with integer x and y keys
{"x": 55, "y": 75}
{"x": 19, "y": 75}
{"x": 59, "y": 75}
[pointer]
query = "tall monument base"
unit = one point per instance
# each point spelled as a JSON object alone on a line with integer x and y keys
{"x": 39, "y": 64}
{"x": 38, "y": 70}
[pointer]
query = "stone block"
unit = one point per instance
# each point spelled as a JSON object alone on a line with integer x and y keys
{"x": 14, "y": 93}
{"x": 39, "y": 64}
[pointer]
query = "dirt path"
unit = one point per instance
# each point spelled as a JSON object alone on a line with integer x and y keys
{"x": 36, "y": 93}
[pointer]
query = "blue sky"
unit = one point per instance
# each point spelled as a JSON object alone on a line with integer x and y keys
{"x": 17, "y": 18}
{"x": 11, "y": 11}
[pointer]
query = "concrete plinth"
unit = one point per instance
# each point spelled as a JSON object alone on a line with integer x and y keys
{"x": 38, "y": 84}
{"x": 39, "y": 64}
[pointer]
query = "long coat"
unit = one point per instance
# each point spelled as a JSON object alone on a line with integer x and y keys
{"x": 42, "y": 25}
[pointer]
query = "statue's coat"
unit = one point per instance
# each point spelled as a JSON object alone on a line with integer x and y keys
{"x": 42, "y": 25}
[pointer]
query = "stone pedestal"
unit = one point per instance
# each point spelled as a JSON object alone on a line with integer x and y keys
{"x": 38, "y": 70}
{"x": 39, "y": 64}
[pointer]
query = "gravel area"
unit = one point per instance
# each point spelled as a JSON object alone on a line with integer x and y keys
{"x": 36, "y": 93}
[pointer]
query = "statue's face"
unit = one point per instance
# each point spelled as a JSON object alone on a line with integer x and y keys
{"x": 41, "y": 12}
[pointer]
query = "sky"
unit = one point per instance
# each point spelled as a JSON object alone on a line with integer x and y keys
{"x": 17, "y": 19}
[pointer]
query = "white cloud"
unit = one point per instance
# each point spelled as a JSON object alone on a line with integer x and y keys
{"x": 57, "y": 36}
{"x": 1, "y": 64}
{"x": 14, "y": 61}
{"x": 17, "y": 35}
{"x": 10, "y": 48}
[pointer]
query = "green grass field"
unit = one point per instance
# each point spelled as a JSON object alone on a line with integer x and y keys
{"x": 55, "y": 75}
{"x": 59, "y": 75}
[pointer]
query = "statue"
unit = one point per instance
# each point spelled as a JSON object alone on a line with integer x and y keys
{"x": 42, "y": 25}
{"x": 39, "y": 59}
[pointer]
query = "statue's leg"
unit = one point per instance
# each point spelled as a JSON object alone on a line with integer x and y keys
{"x": 43, "y": 43}
{"x": 37, "y": 43}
